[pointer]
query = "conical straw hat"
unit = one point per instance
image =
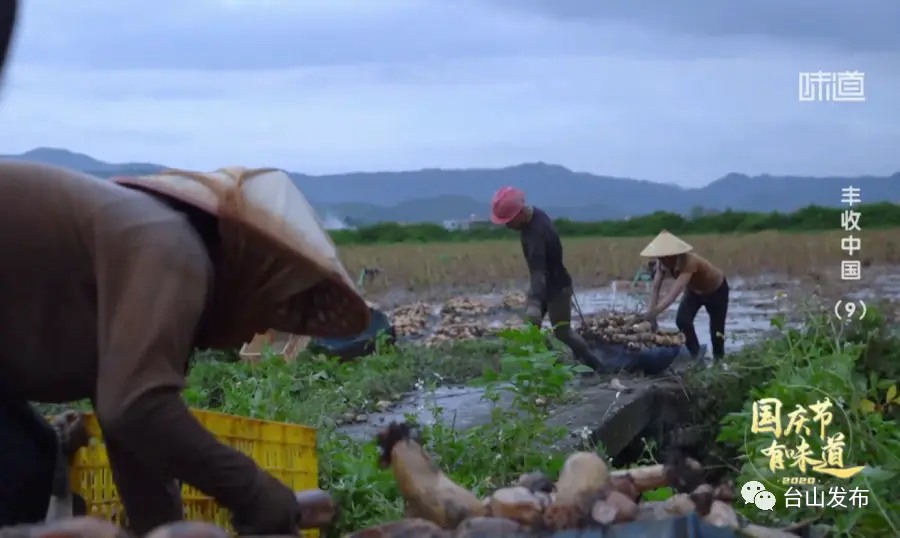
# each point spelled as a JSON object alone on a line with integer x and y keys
{"x": 295, "y": 265}
{"x": 665, "y": 244}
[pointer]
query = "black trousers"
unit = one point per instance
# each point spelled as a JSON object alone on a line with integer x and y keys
{"x": 716, "y": 304}
{"x": 29, "y": 448}
{"x": 559, "y": 308}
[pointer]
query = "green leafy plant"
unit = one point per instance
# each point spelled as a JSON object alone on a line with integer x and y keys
{"x": 888, "y": 399}
{"x": 659, "y": 494}
{"x": 530, "y": 371}
{"x": 524, "y": 379}
{"x": 482, "y": 458}
{"x": 821, "y": 362}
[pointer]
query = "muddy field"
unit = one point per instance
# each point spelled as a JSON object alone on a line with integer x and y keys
{"x": 449, "y": 315}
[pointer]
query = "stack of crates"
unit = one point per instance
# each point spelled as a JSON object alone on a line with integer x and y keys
{"x": 287, "y": 451}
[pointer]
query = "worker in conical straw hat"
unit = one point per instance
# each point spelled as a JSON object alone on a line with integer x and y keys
{"x": 700, "y": 283}
{"x": 108, "y": 293}
{"x": 550, "y": 291}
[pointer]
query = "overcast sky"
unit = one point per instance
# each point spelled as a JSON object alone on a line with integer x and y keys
{"x": 670, "y": 91}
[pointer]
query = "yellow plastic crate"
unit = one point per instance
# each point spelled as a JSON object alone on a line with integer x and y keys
{"x": 287, "y": 451}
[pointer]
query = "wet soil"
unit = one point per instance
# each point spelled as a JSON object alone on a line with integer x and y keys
{"x": 617, "y": 418}
{"x": 752, "y": 306}
{"x": 753, "y": 302}
{"x": 601, "y": 414}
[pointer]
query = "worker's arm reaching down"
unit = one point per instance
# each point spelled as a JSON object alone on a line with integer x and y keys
{"x": 657, "y": 306}
{"x": 655, "y": 289}
{"x": 677, "y": 288}
{"x": 150, "y": 302}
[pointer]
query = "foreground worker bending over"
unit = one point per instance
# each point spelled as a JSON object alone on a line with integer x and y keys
{"x": 700, "y": 283}
{"x": 106, "y": 288}
{"x": 550, "y": 291}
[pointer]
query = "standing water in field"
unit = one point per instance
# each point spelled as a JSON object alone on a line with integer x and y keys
{"x": 750, "y": 310}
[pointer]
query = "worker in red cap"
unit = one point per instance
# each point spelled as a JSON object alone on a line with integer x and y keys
{"x": 550, "y": 291}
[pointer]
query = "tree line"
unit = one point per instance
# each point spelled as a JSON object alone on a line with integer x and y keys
{"x": 811, "y": 218}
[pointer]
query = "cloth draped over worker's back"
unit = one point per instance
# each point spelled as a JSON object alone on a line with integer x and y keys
{"x": 274, "y": 252}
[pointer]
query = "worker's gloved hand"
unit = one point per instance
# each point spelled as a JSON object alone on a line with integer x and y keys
{"x": 271, "y": 509}
{"x": 284, "y": 512}
{"x": 317, "y": 509}
{"x": 533, "y": 313}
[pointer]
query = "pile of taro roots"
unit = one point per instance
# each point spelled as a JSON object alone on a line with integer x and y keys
{"x": 317, "y": 511}
{"x": 586, "y": 496}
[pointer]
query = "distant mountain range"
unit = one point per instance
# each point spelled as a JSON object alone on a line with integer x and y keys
{"x": 437, "y": 195}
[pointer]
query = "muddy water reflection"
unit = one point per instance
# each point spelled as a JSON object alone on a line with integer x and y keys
{"x": 750, "y": 309}
{"x": 752, "y": 305}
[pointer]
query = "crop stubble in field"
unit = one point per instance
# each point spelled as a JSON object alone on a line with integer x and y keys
{"x": 596, "y": 261}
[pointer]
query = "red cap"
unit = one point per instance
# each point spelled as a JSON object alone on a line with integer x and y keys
{"x": 507, "y": 203}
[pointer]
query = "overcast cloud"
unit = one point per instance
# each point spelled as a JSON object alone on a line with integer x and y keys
{"x": 654, "y": 89}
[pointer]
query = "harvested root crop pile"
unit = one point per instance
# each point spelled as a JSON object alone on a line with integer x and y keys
{"x": 317, "y": 511}
{"x": 628, "y": 330}
{"x": 411, "y": 320}
{"x": 512, "y": 300}
{"x": 465, "y": 306}
{"x": 456, "y": 321}
{"x": 506, "y": 324}
{"x": 586, "y": 495}
{"x": 455, "y": 331}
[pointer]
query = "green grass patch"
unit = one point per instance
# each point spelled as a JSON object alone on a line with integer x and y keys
{"x": 857, "y": 365}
